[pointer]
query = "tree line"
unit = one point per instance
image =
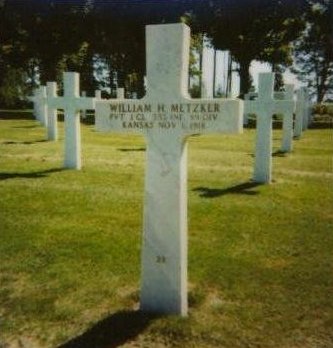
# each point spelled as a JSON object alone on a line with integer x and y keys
{"x": 105, "y": 40}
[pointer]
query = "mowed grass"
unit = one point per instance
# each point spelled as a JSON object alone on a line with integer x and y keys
{"x": 260, "y": 257}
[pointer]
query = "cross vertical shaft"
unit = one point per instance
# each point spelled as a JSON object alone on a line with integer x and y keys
{"x": 287, "y": 125}
{"x": 299, "y": 112}
{"x": 263, "y": 150}
{"x": 43, "y": 106}
{"x": 164, "y": 252}
{"x": 171, "y": 66}
{"x": 72, "y": 123}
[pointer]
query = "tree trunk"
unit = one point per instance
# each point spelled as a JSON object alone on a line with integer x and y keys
{"x": 141, "y": 86}
{"x": 48, "y": 72}
{"x": 229, "y": 77}
{"x": 321, "y": 83}
{"x": 200, "y": 71}
{"x": 320, "y": 93}
{"x": 245, "y": 77}
{"x": 214, "y": 72}
{"x": 32, "y": 74}
{"x": 121, "y": 78}
{"x": 87, "y": 79}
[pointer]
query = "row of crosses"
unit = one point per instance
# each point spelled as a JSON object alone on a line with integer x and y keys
{"x": 264, "y": 106}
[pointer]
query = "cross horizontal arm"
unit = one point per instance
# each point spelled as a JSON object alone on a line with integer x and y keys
{"x": 127, "y": 117}
{"x": 183, "y": 116}
{"x": 214, "y": 116}
{"x": 270, "y": 107}
{"x": 75, "y": 103}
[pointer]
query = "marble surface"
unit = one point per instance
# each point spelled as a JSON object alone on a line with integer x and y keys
{"x": 40, "y": 105}
{"x": 72, "y": 103}
{"x": 121, "y": 93}
{"x": 288, "y": 121}
{"x": 98, "y": 94}
{"x": 166, "y": 116}
{"x": 43, "y": 106}
{"x": 52, "y": 113}
{"x": 34, "y": 99}
{"x": 39, "y": 99}
{"x": 265, "y": 106}
{"x": 83, "y": 112}
{"x": 300, "y": 112}
{"x": 307, "y": 109}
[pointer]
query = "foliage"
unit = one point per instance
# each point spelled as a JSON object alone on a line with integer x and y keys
{"x": 323, "y": 109}
{"x": 314, "y": 49}
{"x": 112, "y": 35}
{"x": 13, "y": 88}
{"x": 195, "y": 65}
{"x": 13, "y": 57}
{"x": 195, "y": 91}
{"x": 253, "y": 30}
{"x": 278, "y": 82}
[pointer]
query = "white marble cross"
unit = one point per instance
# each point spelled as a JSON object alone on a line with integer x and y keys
{"x": 288, "y": 120}
{"x": 72, "y": 103}
{"x": 300, "y": 112}
{"x": 307, "y": 109}
{"x": 83, "y": 112}
{"x": 39, "y": 99}
{"x": 166, "y": 116}
{"x": 42, "y": 106}
{"x": 264, "y": 107}
{"x": 52, "y": 113}
{"x": 34, "y": 100}
{"x": 98, "y": 94}
{"x": 120, "y": 93}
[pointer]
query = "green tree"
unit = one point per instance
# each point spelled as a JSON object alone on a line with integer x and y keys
{"x": 314, "y": 49}
{"x": 55, "y": 48}
{"x": 195, "y": 65}
{"x": 252, "y": 30}
{"x": 40, "y": 40}
{"x": 15, "y": 63}
{"x": 13, "y": 88}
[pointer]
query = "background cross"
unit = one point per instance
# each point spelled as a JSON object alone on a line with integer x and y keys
{"x": 265, "y": 107}
{"x": 52, "y": 113}
{"x": 72, "y": 103}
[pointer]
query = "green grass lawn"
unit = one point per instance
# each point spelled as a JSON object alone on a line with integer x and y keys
{"x": 260, "y": 257}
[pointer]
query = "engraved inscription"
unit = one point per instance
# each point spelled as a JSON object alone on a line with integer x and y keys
{"x": 160, "y": 259}
{"x": 181, "y": 107}
{"x": 144, "y": 116}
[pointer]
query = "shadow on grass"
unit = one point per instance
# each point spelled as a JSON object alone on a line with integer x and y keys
{"x": 244, "y": 189}
{"x": 23, "y": 142}
{"x": 27, "y": 127}
{"x": 16, "y": 115}
{"x": 113, "y": 331}
{"x": 321, "y": 125}
{"x": 34, "y": 175}
{"x": 279, "y": 153}
{"x": 139, "y": 149}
